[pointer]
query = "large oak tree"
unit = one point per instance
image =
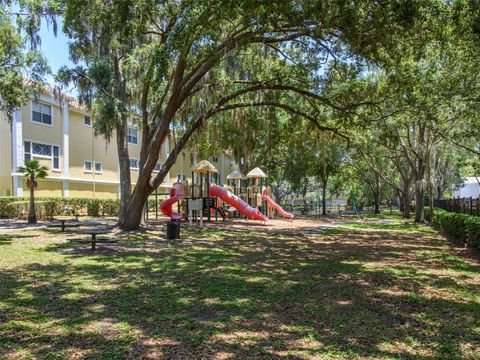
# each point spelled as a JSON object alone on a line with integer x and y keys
{"x": 157, "y": 62}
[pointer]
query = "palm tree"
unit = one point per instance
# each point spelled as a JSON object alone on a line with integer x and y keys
{"x": 33, "y": 171}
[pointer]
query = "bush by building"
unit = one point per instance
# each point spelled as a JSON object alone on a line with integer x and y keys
{"x": 47, "y": 207}
{"x": 460, "y": 226}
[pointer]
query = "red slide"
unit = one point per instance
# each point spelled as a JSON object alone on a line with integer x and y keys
{"x": 177, "y": 192}
{"x": 273, "y": 204}
{"x": 237, "y": 203}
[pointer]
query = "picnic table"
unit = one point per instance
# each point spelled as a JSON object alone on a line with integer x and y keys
{"x": 94, "y": 240}
{"x": 65, "y": 221}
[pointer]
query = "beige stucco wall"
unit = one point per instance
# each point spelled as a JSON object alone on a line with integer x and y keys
{"x": 51, "y": 135}
{"x": 84, "y": 145}
{"x": 97, "y": 191}
{"x": 47, "y": 188}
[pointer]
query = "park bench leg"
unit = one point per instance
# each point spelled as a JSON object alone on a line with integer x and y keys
{"x": 94, "y": 238}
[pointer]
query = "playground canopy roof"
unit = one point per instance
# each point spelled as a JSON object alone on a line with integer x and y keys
{"x": 204, "y": 167}
{"x": 256, "y": 174}
{"x": 236, "y": 175}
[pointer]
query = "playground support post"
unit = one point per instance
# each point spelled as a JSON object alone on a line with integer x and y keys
{"x": 215, "y": 201}
{"x": 207, "y": 181}
{"x": 261, "y": 201}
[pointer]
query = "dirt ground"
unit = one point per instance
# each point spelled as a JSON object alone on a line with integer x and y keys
{"x": 299, "y": 224}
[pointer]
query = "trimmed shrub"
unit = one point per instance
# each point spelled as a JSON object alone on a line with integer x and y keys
{"x": 460, "y": 226}
{"x": 7, "y": 211}
{"x": 93, "y": 207}
{"x": 48, "y": 207}
{"x": 110, "y": 207}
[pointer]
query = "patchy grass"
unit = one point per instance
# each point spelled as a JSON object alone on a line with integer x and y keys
{"x": 385, "y": 214}
{"x": 362, "y": 290}
{"x": 398, "y": 225}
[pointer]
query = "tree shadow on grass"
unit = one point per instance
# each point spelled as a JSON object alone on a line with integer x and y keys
{"x": 240, "y": 295}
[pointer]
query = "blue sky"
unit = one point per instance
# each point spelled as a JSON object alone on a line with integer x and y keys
{"x": 55, "y": 49}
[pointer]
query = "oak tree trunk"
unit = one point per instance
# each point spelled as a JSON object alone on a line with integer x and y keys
{"x": 135, "y": 210}
{"x": 277, "y": 192}
{"x": 406, "y": 199}
{"x": 377, "y": 202}
{"x": 324, "y": 199}
{"x": 419, "y": 195}
{"x": 304, "y": 193}
{"x": 124, "y": 169}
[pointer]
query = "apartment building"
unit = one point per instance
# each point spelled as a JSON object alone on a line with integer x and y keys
{"x": 60, "y": 135}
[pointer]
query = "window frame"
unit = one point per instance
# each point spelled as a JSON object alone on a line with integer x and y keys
{"x": 85, "y": 170}
{"x": 137, "y": 162}
{"x": 40, "y": 156}
{"x": 159, "y": 167}
{"x": 95, "y": 167}
{"x": 29, "y": 152}
{"x": 128, "y": 136}
{"x": 32, "y": 102}
{"x": 57, "y": 157}
{"x": 84, "y": 123}
{"x": 50, "y": 157}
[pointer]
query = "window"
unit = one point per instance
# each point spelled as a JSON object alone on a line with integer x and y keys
{"x": 132, "y": 136}
{"x": 157, "y": 167}
{"x": 214, "y": 159}
{"x": 41, "y": 113}
{"x": 56, "y": 158}
{"x": 87, "y": 166}
{"x": 134, "y": 164}
{"x": 98, "y": 167}
{"x": 87, "y": 121}
{"x": 28, "y": 151}
{"x": 39, "y": 150}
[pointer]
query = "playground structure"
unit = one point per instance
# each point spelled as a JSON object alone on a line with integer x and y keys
{"x": 245, "y": 196}
{"x": 237, "y": 182}
{"x": 274, "y": 205}
{"x": 177, "y": 193}
{"x": 256, "y": 179}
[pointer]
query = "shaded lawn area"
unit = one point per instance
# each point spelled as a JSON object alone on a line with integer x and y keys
{"x": 356, "y": 291}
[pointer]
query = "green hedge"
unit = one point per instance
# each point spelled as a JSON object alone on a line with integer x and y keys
{"x": 460, "y": 226}
{"x": 47, "y": 207}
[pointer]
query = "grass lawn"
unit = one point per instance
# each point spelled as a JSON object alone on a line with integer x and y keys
{"x": 360, "y": 290}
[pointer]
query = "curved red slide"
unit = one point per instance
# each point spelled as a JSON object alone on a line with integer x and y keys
{"x": 273, "y": 204}
{"x": 177, "y": 192}
{"x": 237, "y": 203}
